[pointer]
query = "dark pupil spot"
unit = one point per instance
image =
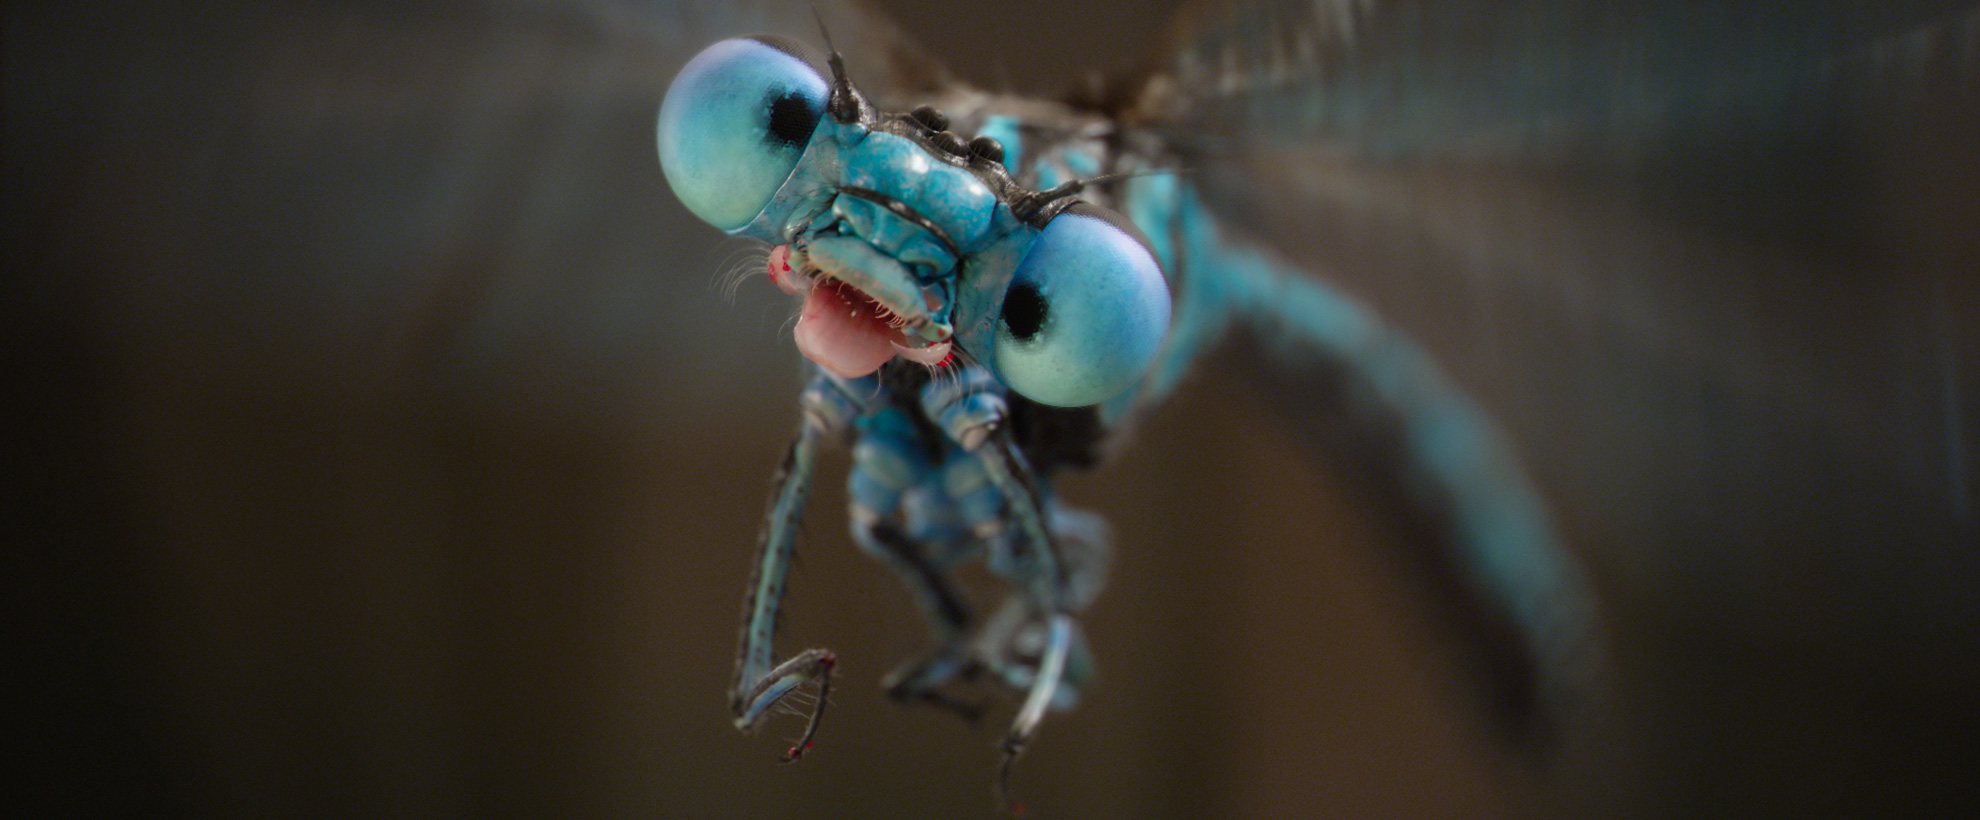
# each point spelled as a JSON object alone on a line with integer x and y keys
{"x": 792, "y": 119}
{"x": 1024, "y": 310}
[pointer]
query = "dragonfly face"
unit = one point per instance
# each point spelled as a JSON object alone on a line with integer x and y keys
{"x": 904, "y": 239}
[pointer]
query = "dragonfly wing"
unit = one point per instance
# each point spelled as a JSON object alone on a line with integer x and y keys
{"x": 1710, "y": 267}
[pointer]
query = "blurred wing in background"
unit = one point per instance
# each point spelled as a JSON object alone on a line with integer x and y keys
{"x": 1713, "y": 268}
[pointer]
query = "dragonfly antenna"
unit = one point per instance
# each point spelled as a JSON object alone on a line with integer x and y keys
{"x": 845, "y": 103}
{"x": 822, "y": 31}
{"x": 1137, "y": 173}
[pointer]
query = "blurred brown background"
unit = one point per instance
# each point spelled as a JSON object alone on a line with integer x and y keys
{"x": 388, "y": 447}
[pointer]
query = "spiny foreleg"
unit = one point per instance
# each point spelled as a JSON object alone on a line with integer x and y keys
{"x": 758, "y": 684}
{"x": 973, "y": 412}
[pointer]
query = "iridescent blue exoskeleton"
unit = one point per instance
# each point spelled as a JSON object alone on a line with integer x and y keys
{"x": 982, "y": 314}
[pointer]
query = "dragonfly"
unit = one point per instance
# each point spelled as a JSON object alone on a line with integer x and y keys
{"x": 1582, "y": 178}
{"x": 984, "y": 311}
{"x": 376, "y": 410}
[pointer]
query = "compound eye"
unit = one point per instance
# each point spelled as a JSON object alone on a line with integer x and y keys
{"x": 734, "y": 124}
{"x": 1085, "y": 313}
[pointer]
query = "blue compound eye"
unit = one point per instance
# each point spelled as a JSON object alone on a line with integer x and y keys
{"x": 1085, "y": 313}
{"x": 734, "y": 124}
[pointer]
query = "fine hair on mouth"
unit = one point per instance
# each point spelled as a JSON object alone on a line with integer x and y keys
{"x": 861, "y": 301}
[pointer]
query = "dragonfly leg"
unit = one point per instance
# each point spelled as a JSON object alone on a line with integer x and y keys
{"x": 1008, "y": 644}
{"x": 948, "y": 615}
{"x": 760, "y": 685}
{"x": 973, "y": 412}
{"x": 1051, "y": 669}
{"x": 920, "y": 679}
{"x": 785, "y": 678}
{"x": 888, "y": 465}
{"x": 1013, "y": 643}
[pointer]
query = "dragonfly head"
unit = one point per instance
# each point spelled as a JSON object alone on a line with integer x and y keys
{"x": 903, "y": 238}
